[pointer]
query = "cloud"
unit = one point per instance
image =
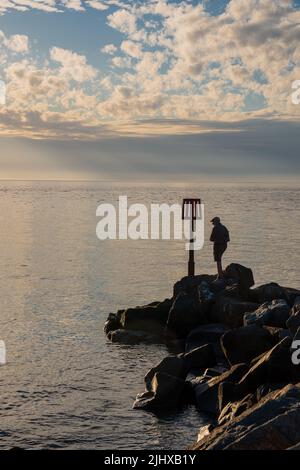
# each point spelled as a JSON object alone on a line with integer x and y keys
{"x": 176, "y": 63}
{"x": 109, "y": 49}
{"x": 73, "y": 4}
{"x": 131, "y": 48}
{"x": 73, "y": 65}
{"x": 254, "y": 147}
{"x": 124, "y": 21}
{"x": 49, "y": 6}
{"x": 18, "y": 43}
{"x": 97, "y": 5}
{"x": 121, "y": 62}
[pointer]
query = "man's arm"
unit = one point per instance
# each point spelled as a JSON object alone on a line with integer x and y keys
{"x": 213, "y": 235}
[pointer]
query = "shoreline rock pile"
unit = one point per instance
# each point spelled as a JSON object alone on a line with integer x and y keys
{"x": 234, "y": 345}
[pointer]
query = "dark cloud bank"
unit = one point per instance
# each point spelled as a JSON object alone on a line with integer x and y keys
{"x": 252, "y": 148}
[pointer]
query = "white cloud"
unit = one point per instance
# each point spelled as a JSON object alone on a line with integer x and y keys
{"x": 73, "y": 4}
{"x": 109, "y": 49}
{"x": 24, "y": 5}
{"x": 97, "y": 5}
{"x": 132, "y": 48}
{"x": 123, "y": 20}
{"x": 121, "y": 62}
{"x": 73, "y": 65}
{"x": 17, "y": 43}
{"x": 183, "y": 65}
{"x": 52, "y": 6}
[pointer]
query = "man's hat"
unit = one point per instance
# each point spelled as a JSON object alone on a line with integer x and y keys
{"x": 216, "y": 220}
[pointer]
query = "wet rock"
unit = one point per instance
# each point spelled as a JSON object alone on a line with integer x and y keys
{"x": 164, "y": 392}
{"x": 199, "y": 358}
{"x": 243, "y": 275}
{"x": 152, "y": 317}
{"x": 246, "y": 343}
{"x": 170, "y": 365}
{"x": 185, "y": 314}
{"x": 272, "y": 424}
{"x": 206, "y": 392}
{"x": 132, "y": 337}
{"x": 112, "y": 323}
{"x": 233, "y": 410}
{"x": 274, "y": 313}
{"x": 268, "y": 292}
{"x": 231, "y": 311}
{"x": 164, "y": 384}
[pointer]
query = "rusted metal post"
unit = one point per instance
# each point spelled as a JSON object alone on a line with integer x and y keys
{"x": 191, "y": 211}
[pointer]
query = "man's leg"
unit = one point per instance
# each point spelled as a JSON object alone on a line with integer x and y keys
{"x": 220, "y": 269}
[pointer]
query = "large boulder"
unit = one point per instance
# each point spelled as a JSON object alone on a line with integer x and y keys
{"x": 272, "y": 424}
{"x": 204, "y": 334}
{"x": 165, "y": 392}
{"x": 268, "y": 292}
{"x": 185, "y": 314}
{"x": 164, "y": 384}
{"x": 170, "y": 365}
{"x": 242, "y": 275}
{"x": 231, "y": 311}
{"x": 152, "y": 317}
{"x": 200, "y": 358}
{"x": 275, "y": 366}
{"x": 274, "y": 313}
{"x": 246, "y": 343}
{"x": 206, "y": 392}
{"x": 189, "y": 284}
{"x": 112, "y": 323}
{"x": 231, "y": 400}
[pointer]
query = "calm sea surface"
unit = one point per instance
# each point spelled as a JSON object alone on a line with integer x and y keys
{"x": 64, "y": 385}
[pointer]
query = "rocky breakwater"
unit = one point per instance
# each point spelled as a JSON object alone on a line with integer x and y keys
{"x": 234, "y": 348}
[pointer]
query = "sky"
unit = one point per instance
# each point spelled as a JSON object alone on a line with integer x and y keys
{"x": 161, "y": 89}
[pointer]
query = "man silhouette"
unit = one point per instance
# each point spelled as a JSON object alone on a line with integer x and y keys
{"x": 220, "y": 238}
